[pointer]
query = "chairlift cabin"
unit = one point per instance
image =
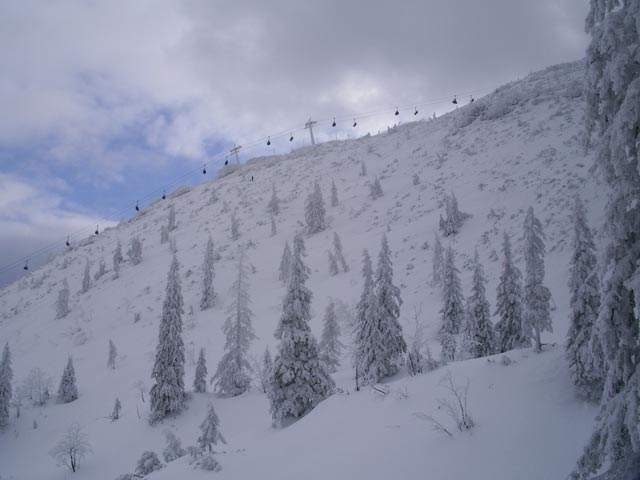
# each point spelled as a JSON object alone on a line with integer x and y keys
{"x": 67, "y": 242}
{"x": 204, "y": 169}
{"x": 26, "y": 265}
{"x": 355, "y": 123}
{"x": 397, "y": 112}
{"x": 334, "y": 122}
{"x": 454, "y": 101}
{"x": 416, "y": 112}
{"x": 472, "y": 99}
{"x": 268, "y": 141}
{"x": 291, "y": 137}
{"x": 137, "y": 207}
{"x": 97, "y": 232}
{"x": 164, "y": 196}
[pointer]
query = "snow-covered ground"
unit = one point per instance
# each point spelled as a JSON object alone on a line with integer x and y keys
{"x": 517, "y": 147}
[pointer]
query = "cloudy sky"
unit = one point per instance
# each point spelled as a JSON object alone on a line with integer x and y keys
{"x": 105, "y": 102}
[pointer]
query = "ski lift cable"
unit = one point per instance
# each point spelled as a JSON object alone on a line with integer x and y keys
{"x": 287, "y": 133}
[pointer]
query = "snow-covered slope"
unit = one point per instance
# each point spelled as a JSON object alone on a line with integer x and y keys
{"x": 517, "y": 147}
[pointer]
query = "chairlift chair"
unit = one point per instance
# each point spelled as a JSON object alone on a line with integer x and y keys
{"x": 204, "y": 169}
{"x": 355, "y": 123}
{"x": 454, "y": 101}
{"x": 334, "y": 122}
{"x": 268, "y": 141}
{"x": 26, "y": 265}
{"x": 291, "y": 137}
{"x": 397, "y": 112}
{"x": 416, "y": 112}
{"x": 97, "y": 232}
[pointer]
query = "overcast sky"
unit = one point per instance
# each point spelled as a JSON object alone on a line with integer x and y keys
{"x": 103, "y": 102}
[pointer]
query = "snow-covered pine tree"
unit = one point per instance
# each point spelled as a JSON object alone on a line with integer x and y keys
{"x": 285, "y": 264}
{"x": 167, "y": 394}
{"x": 273, "y": 207}
{"x": 274, "y": 229}
{"x": 438, "y": 262}
{"x": 509, "y": 327}
{"x": 86, "y": 277}
{"x": 265, "y": 369}
{"x": 478, "y": 335}
{"x": 368, "y": 341}
{"x": 333, "y": 265}
{"x": 173, "y": 450}
{"x": 337, "y": 252}
{"x": 334, "y": 194}
{"x": 135, "y": 250}
{"x": 235, "y": 226}
{"x": 584, "y": 353}
{"x": 6, "y": 376}
{"x": 375, "y": 189}
{"x": 363, "y": 169}
{"x": 171, "y": 222}
{"x": 211, "y": 434}
{"x": 416, "y": 179}
{"x": 536, "y": 315}
{"x": 117, "y": 407}
{"x": 452, "y": 306}
{"x": 102, "y": 269}
{"x": 314, "y": 212}
{"x": 387, "y": 310}
{"x": 68, "y": 390}
{"x": 117, "y": 259}
{"x": 113, "y": 354}
{"x": 213, "y": 196}
{"x": 208, "y": 298}
{"x": 450, "y": 224}
{"x": 613, "y": 95}
{"x": 62, "y": 303}
{"x": 298, "y": 381}
{"x": 164, "y": 234}
{"x": 200, "y": 381}
{"x": 330, "y": 345}
{"x": 148, "y": 463}
{"x": 233, "y": 374}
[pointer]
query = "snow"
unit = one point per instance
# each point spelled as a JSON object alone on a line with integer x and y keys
{"x": 517, "y": 147}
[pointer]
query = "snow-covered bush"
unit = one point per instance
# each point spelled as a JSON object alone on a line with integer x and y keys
{"x": 174, "y": 449}
{"x": 148, "y": 463}
{"x": 135, "y": 251}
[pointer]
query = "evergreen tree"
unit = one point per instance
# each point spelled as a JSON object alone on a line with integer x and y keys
{"x": 337, "y": 251}
{"x": 6, "y": 376}
{"x": 330, "y": 345}
{"x": 86, "y": 278}
{"x": 208, "y": 298}
{"x": 147, "y": 463}
{"x": 314, "y": 210}
{"x": 117, "y": 259}
{"x": 274, "y": 229}
{"x": 164, "y": 234}
{"x": 367, "y": 340}
{"x": 235, "y": 226}
{"x": 213, "y": 196}
{"x": 171, "y": 222}
{"x": 333, "y": 265}
{"x": 102, "y": 269}
{"x": 363, "y": 169}
{"x": 113, "y": 354}
{"x": 375, "y": 189}
{"x": 68, "y": 391}
{"x": 285, "y": 264}
{"x": 273, "y": 207}
{"x": 200, "y": 382}
{"x": 450, "y": 225}
{"x": 452, "y": 306}
{"x": 173, "y": 450}
{"x": 584, "y": 353}
{"x": 334, "y": 194}
{"x": 438, "y": 262}
{"x": 536, "y": 317}
{"x": 233, "y": 375}
{"x": 478, "y": 336}
{"x": 509, "y": 328}
{"x": 135, "y": 251}
{"x": 387, "y": 310}
{"x": 167, "y": 394}
{"x": 299, "y": 381}
{"x": 117, "y": 407}
{"x": 613, "y": 95}
{"x": 210, "y": 429}
{"x": 62, "y": 303}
